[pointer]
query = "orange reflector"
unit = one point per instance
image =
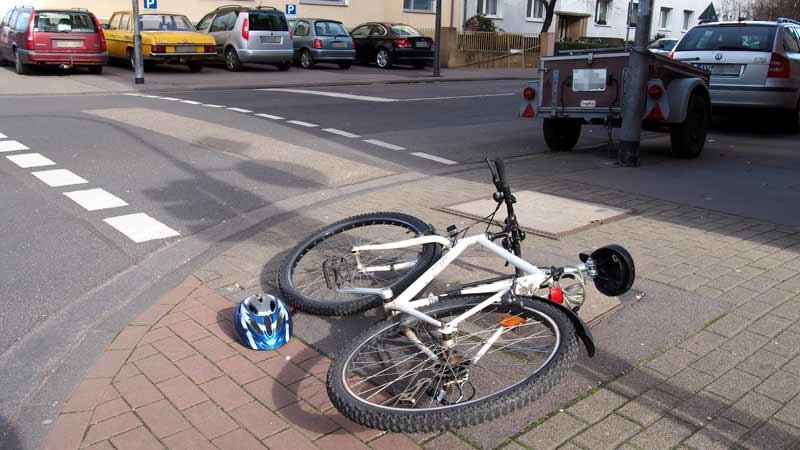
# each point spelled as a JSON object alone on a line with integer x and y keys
{"x": 511, "y": 321}
{"x": 528, "y": 111}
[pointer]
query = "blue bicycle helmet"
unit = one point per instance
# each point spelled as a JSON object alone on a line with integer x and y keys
{"x": 263, "y": 322}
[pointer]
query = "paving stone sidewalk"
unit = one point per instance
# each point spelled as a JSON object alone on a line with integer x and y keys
{"x": 181, "y": 381}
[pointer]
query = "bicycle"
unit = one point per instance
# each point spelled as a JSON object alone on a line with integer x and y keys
{"x": 459, "y": 358}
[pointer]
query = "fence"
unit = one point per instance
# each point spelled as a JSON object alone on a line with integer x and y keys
{"x": 489, "y": 49}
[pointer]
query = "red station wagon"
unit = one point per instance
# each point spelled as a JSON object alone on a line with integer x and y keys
{"x": 64, "y": 38}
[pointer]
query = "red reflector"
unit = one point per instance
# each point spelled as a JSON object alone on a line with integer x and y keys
{"x": 655, "y": 114}
{"x": 528, "y": 111}
{"x": 557, "y": 295}
{"x": 655, "y": 91}
{"x": 402, "y": 43}
{"x": 317, "y": 43}
{"x": 529, "y": 93}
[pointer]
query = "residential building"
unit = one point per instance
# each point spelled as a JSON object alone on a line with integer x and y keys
{"x": 593, "y": 18}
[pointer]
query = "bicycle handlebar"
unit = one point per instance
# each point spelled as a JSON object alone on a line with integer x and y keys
{"x": 502, "y": 181}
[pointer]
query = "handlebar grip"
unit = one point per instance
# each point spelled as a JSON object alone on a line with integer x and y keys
{"x": 501, "y": 173}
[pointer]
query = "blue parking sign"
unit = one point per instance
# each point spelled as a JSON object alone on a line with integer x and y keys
{"x": 150, "y": 4}
{"x": 291, "y": 9}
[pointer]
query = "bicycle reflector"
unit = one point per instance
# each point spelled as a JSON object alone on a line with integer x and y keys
{"x": 511, "y": 321}
{"x": 557, "y": 295}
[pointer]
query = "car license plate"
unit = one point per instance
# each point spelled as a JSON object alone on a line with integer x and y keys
{"x": 729, "y": 70}
{"x": 270, "y": 39}
{"x": 589, "y": 80}
{"x": 185, "y": 49}
{"x": 68, "y": 44}
{"x": 421, "y": 44}
{"x": 340, "y": 45}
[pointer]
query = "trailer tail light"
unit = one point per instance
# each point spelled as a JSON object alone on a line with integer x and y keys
{"x": 557, "y": 295}
{"x": 317, "y": 43}
{"x": 529, "y": 93}
{"x": 655, "y": 91}
{"x": 30, "y": 36}
{"x": 402, "y": 43}
{"x": 246, "y": 29}
{"x": 779, "y": 67}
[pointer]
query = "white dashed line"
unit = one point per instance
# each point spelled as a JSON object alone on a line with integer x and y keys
{"x": 141, "y": 227}
{"x": 11, "y": 146}
{"x": 28, "y": 160}
{"x": 456, "y": 97}
{"x": 3, "y": 136}
{"x": 435, "y": 158}
{"x": 384, "y": 144}
{"x": 133, "y": 95}
{"x": 59, "y": 177}
{"x": 365, "y": 98}
{"x": 208, "y": 105}
{"x": 303, "y": 124}
{"x": 341, "y": 133}
{"x": 191, "y": 102}
{"x": 170, "y": 99}
{"x": 270, "y": 116}
{"x": 96, "y": 199}
{"x": 246, "y": 111}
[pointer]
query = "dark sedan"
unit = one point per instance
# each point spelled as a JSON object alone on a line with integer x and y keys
{"x": 392, "y": 43}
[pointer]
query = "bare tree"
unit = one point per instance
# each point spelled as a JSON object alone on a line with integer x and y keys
{"x": 773, "y": 9}
{"x": 549, "y": 12}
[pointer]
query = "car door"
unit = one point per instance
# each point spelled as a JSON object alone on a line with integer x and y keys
{"x": 791, "y": 46}
{"x": 361, "y": 41}
{"x": 8, "y": 37}
{"x": 219, "y": 29}
{"x": 4, "y": 46}
{"x": 377, "y": 35}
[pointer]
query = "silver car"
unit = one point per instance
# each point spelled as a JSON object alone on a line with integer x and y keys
{"x": 753, "y": 64}
{"x": 250, "y": 35}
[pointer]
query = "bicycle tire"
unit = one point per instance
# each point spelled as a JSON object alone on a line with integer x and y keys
{"x": 470, "y": 413}
{"x": 324, "y": 307}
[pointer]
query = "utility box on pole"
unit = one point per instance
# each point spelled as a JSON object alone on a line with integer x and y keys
{"x": 635, "y": 86}
{"x": 138, "y": 64}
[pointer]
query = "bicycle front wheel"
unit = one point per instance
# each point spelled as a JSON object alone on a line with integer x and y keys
{"x": 307, "y": 286}
{"x": 402, "y": 375}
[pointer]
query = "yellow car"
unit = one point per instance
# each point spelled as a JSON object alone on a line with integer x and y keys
{"x": 166, "y": 38}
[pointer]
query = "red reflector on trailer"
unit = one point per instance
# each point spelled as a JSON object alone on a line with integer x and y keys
{"x": 655, "y": 114}
{"x": 528, "y": 111}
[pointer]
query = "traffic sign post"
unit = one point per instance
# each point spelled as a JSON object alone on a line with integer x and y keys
{"x": 138, "y": 66}
{"x": 291, "y": 10}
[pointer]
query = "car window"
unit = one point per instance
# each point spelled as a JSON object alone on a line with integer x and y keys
{"x": 166, "y": 22}
{"x": 329, "y": 29}
{"x": 124, "y": 22}
{"x": 267, "y": 21}
{"x": 205, "y": 22}
{"x": 13, "y": 18}
{"x": 113, "y": 23}
{"x": 301, "y": 29}
{"x": 404, "y": 30}
{"x": 224, "y": 22}
{"x": 361, "y": 31}
{"x": 23, "y": 21}
{"x": 790, "y": 41}
{"x": 5, "y": 19}
{"x": 65, "y": 22}
{"x": 754, "y": 38}
{"x": 377, "y": 30}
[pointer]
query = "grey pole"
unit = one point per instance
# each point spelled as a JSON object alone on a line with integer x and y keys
{"x": 437, "y": 63}
{"x": 633, "y": 108}
{"x": 137, "y": 45}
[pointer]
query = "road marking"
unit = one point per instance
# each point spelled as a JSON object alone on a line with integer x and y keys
{"x": 133, "y": 95}
{"x": 141, "y": 228}
{"x": 455, "y": 97}
{"x": 303, "y": 124}
{"x": 30, "y": 160}
{"x": 246, "y": 111}
{"x": 270, "y": 116}
{"x": 365, "y": 98}
{"x": 11, "y": 146}
{"x": 435, "y": 158}
{"x": 341, "y": 133}
{"x": 170, "y": 99}
{"x": 96, "y": 199}
{"x": 150, "y": 96}
{"x": 59, "y": 177}
{"x": 3, "y": 136}
{"x": 384, "y": 144}
{"x": 214, "y": 106}
{"x": 191, "y": 102}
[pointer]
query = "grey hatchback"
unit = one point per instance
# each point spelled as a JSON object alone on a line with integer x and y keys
{"x": 322, "y": 40}
{"x": 249, "y": 35}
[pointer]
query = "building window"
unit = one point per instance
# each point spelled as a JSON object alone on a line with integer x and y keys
{"x": 535, "y": 9}
{"x": 601, "y": 12}
{"x": 419, "y": 5}
{"x": 488, "y": 8}
{"x": 633, "y": 14}
{"x": 664, "y": 18}
{"x": 687, "y": 19}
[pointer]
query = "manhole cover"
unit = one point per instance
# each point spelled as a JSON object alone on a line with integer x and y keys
{"x": 543, "y": 214}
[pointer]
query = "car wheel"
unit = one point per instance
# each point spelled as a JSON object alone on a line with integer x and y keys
{"x": 283, "y": 67}
{"x": 561, "y": 134}
{"x": 345, "y": 66}
{"x": 22, "y": 69}
{"x": 232, "y": 61}
{"x": 131, "y": 58}
{"x": 383, "y": 58}
{"x": 306, "y": 59}
{"x": 195, "y": 66}
{"x": 689, "y": 137}
{"x": 95, "y": 70}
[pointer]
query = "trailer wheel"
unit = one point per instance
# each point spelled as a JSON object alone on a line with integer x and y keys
{"x": 689, "y": 138}
{"x": 561, "y": 134}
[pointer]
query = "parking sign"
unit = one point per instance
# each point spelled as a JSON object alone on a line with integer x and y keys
{"x": 291, "y": 10}
{"x": 150, "y": 4}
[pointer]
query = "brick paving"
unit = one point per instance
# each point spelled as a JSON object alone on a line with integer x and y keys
{"x": 177, "y": 378}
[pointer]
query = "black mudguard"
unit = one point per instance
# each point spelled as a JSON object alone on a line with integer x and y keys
{"x": 580, "y": 327}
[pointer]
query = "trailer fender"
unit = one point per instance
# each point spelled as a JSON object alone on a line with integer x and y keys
{"x": 679, "y": 91}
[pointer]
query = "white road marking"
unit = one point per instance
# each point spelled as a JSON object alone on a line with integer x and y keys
{"x": 246, "y": 111}
{"x": 141, "y": 228}
{"x": 270, "y": 116}
{"x": 341, "y": 133}
{"x": 170, "y": 99}
{"x": 435, "y": 158}
{"x": 455, "y": 97}
{"x": 303, "y": 124}
{"x": 30, "y": 160}
{"x": 11, "y": 146}
{"x": 213, "y": 106}
{"x": 96, "y": 199}
{"x": 59, "y": 177}
{"x": 150, "y": 96}
{"x": 133, "y": 95}
{"x": 384, "y": 144}
{"x": 365, "y": 98}
{"x": 191, "y": 102}
{"x": 3, "y": 136}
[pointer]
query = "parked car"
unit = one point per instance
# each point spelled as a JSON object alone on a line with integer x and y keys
{"x": 752, "y": 64}
{"x": 166, "y": 38}
{"x": 246, "y": 34}
{"x": 392, "y": 43}
{"x": 322, "y": 41}
{"x": 662, "y": 46}
{"x": 65, "y": 38}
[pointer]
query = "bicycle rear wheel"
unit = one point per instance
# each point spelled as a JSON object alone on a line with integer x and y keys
{"x": 303, "y": 279}
{"x": 397, "y": 376}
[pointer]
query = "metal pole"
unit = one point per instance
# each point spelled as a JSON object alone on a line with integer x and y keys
{"x": 138, "y": 66}
{"x": 437, "y": 57}
{"x": 633, "y": 108}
